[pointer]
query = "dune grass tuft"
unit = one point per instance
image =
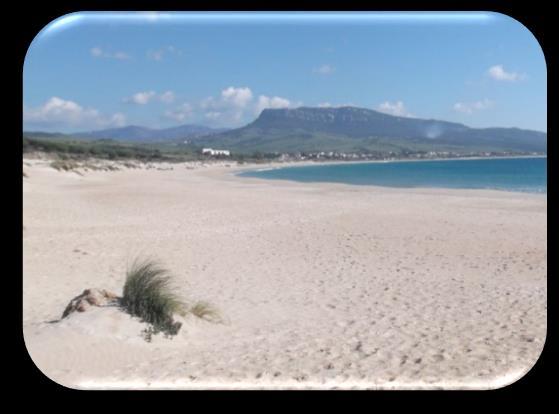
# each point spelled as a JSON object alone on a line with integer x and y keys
{"x": 68, "y": 165}
{"x": 148, "y": 294}
{"x": 205, "y": 310}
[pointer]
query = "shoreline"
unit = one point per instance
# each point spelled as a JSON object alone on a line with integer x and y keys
{"x": 310, "y": 163}
{"x": 234, "y": 170}
{"x": 272, "y": 166}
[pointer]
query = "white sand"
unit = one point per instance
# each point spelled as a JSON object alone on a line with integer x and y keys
{"x": 322, "y": 285}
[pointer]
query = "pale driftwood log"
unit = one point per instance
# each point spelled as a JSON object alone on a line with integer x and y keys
{"x": 90, "y": 297}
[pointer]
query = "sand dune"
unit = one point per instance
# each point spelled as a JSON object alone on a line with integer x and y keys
{"x": 322, "y": 285}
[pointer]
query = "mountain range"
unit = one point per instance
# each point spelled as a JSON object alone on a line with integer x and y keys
{"x": 342, "y": 129}
{"x": 365, "y": 130}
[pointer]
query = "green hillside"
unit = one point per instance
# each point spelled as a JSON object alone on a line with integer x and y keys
{"x": 351, "y": 129}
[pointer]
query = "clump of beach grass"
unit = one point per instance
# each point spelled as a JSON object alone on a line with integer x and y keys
{"x": 65, "y": 165}
{"x": 128, "y": 164}
{"x": 148, "y": 294}
{"x": 111, "y": 167}
{"x": 206, "y": 311}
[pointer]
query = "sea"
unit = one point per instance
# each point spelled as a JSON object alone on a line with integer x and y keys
{"x": 521, "y": 174}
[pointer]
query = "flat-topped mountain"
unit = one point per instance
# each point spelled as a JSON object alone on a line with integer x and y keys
{"x": 350, "y": 121}
{"x": 360, "y": 129}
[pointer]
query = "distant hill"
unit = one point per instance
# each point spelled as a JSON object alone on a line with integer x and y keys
{"x": 49, "y": 136}
{"x": 353, "y": 129}
{"x": 344, "y": 129}
{"x": 142, "y": 134}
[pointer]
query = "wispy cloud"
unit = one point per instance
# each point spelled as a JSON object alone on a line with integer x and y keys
{"x": 497, "y": 72}
{"x": 471, "y": 107}
{"x": 167, "y": 97}
{"x": 397, "y": 108}
{"x": 143, "y": 98}
{"x": 324, "y": 70}
{"x": 61, "y": 113}
{"x": 140, "y": 98}
{"x": 213, "y": 115}
{"x": 159, "y": 54}
{"x": 98, "y": 52}
{"x": 181, "y": 113}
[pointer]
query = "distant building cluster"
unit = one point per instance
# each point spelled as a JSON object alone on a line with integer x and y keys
{"x": 388, "y": 156}
{"x": 211, "y": 151}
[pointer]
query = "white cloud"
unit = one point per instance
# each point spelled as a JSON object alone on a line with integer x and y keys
{"x": 155, "y": 54}
{"x": 325, "y": 69}
{"x": 471, "y": 107}
{"x": 140, "y": 98}
{"x": 238, "y": 97}
{"x": 120, "y": 56}
{"x": 60, "y": 113}
{"x": 274, "y": 103}
{"x": 98, "y": 52}
{"x": 167, "y": 97}
{"x": 160, "y": 53}
{"x": 143, "y": 98}
{"x": 497, "y": 72}
{"x": 208, "y": 102}
{"x": 325, "y": 105}
{"x": 229, "y": 107}
{"x": 118, "y": 119}
{"x": 181, "y": 113}
{"x": 233, "y": 106}
{"x": 397, "y": 108}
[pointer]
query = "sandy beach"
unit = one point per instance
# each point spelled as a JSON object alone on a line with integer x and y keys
{"x": 319, "y": 285}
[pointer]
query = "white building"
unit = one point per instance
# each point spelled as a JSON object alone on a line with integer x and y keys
{"x": 211, "y": 151}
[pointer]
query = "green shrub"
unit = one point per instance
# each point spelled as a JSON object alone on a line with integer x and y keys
{"x": 148, "y": 294}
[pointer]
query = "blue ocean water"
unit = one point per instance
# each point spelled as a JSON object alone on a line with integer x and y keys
{"x": 509, "y": 174}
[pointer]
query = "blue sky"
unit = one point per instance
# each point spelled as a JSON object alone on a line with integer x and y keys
{"x": 97, "y": 70}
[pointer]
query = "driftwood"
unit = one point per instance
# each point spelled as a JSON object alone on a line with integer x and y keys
{"x": 90, "y": 297}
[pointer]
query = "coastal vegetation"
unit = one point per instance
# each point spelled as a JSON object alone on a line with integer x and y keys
{"x": 65, "y": 165}
{"x": 148, "y": 294}
{"x": 206, "y": 311}
{"x": 102, "y": 149}
{"x": 69, "y": 152}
